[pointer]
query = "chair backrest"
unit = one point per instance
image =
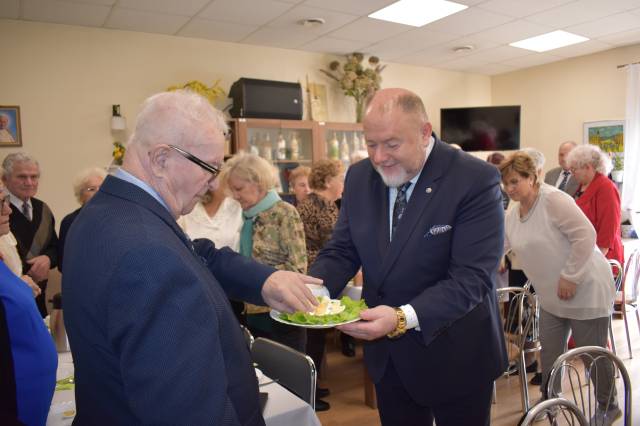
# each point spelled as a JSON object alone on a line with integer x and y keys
{"x": 556, "y": 408}
{"x": 248, "y": 337}
{"x": 631, "y": 277}
{"x": 577, "y": 386}
{"x": 618, "y": 273}
{"x": 292, "y": 369}
{"x": 520, "y": 316}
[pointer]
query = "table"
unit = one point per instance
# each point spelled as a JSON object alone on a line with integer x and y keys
{"x": 282, "y": 409}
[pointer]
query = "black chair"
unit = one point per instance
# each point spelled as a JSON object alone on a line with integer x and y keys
{"x": 292, "y": 369}
{"x": 552, "y": 410}
{"x": 566, "y": 380}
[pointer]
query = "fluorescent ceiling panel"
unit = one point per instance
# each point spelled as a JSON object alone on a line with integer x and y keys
{"x": 417, "y": 13}
{"x": 549, "y": 41}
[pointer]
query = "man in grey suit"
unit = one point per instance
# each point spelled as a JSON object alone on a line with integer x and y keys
{"x": 561, "y": 177}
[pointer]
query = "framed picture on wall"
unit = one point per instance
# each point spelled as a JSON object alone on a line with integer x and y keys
{"x": 10, "y": 132}
{"x": 608, "y": 135}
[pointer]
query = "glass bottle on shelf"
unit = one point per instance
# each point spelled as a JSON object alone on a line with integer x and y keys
{"x": 281, "y": 148}
{"x": 253, "y": 145}
{"x": 294, "y": 147}
{"x": 333, "y": 148}
{"x": 344, "y": 149}
{"x": 266, "y": 148}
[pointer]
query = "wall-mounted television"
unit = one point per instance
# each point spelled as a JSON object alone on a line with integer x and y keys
{"x": 495, "y": 128}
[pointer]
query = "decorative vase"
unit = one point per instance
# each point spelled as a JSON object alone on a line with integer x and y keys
{"x": 359, "y": 110}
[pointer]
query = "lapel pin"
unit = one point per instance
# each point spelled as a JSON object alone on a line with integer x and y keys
{"x": 428, "y": 190}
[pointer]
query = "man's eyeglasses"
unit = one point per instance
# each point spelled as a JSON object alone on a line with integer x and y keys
{"x": 215, "y": 171}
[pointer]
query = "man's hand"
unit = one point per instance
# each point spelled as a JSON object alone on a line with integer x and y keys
{"x": 377, "y": 322}
{"x": 34, "y": 287}
{"x": 286, "y": 291}
{"x": 566, "y": 289}
{"x": 40, "y": 266}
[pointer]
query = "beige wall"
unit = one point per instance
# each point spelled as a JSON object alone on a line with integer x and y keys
{"x": 66, "y": 78}
{"x": 558, "y": 98}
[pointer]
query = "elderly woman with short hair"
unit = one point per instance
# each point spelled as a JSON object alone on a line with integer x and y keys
{"x": 598, "y": 197}
{"x": 85, "y": 185}
{"x": 298, "y": 185}
{"x": 272, "y": 233}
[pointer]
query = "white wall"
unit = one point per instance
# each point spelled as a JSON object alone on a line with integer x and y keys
{"x": 559, "y": 97}
{"x": 66, "y": 78}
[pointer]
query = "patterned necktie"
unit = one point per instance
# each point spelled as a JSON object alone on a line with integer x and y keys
{"x": 564, "y": 181}
{"x": 399, "y": 206}
{"x": 26, "y": 211}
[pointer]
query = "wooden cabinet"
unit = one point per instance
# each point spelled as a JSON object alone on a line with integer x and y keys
{"x": 291, "y": 143}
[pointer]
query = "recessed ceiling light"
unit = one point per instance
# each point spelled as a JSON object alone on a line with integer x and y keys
{"x": 417, "y": 12}
{"x": 549, "y": 41}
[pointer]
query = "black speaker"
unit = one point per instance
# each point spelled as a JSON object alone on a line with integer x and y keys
{"x": 254, "y": 98}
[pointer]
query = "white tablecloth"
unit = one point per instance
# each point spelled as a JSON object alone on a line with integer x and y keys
{"x": 282, "y": 409}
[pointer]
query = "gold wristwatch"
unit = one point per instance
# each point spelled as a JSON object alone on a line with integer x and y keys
{"x": 401, "y": 328}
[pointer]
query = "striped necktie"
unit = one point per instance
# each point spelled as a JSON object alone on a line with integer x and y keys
{"x": 564, "y": 181}
{"x": 399, "y": 207}
{"x": 26, "y": 211}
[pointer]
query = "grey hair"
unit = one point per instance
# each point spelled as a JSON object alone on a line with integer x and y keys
{"x": 81, "y": 179}
{"x": 410, "y": 103}
{"x": 251, "y": 168}
{"x": 572, "y": 143}
{"x": 174, "y": 118}
{"x": 536, "y": 156}
{"x": 16, "y": 157}
{"x": 2, "y": 114}
{"x": 583, "y": 155}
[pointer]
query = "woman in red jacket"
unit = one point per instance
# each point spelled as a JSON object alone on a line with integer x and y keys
{"x": 598, "y": 197}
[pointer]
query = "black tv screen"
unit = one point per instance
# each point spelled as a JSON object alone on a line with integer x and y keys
{"x": 482, "y": 128}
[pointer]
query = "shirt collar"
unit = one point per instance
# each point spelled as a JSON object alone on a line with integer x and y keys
{"x": 128, "y": 177}
{"x": 18, "y": 202}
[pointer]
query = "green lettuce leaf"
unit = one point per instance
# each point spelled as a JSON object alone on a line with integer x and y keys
{"x": 352, "y": 309}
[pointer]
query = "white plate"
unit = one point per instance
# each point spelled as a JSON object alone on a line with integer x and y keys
{"x": 276, "y": 316}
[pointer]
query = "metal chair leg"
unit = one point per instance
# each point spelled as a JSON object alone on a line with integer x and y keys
{"x": 494, "y": 399}
{"x": 613, "y": 341}
{"x": 524, "y": 389}
{"x": 626, "y": 329}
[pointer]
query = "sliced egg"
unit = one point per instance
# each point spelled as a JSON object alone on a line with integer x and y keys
{"x": 327, "y": 306}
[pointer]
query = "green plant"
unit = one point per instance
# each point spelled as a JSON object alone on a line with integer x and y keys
{"x": 355, "y": 80}
{"x": 618, "y": 162}
{"x": 212, "y": 93}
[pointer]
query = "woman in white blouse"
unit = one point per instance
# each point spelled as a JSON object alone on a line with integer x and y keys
{"x": 556, "y": 246}
{"x": 217, "y": 218}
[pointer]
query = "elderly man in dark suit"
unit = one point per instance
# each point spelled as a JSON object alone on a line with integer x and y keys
{"x": 425, "y": 222}
{"x": 153, "y": 336}
{"x": 32, "y": 222}
{"x": 561, "y": 177}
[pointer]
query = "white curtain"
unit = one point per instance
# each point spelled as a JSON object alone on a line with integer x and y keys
{"x": 631, "y": 186}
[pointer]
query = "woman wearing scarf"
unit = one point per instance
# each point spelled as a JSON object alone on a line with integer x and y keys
{"x": 272, "y": 233}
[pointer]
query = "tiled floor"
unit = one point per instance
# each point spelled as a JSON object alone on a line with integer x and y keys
{"x": 345, "y": 379}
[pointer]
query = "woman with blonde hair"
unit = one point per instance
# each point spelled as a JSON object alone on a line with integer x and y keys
{"x": 556, "y": 246}
{"x": 272, "y": 233}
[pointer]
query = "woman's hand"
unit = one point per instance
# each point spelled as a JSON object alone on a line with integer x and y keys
{"x": 566, "y": 289}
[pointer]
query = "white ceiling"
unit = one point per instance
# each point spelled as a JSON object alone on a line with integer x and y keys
{"x": 488, "y": 25}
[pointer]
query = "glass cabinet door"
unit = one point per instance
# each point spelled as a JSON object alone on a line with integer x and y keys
{"x": 344, "y": 142}
{"x": 286, "y": 144}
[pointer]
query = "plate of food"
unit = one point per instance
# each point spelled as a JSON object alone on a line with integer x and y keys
{"x": 329, "y": 313}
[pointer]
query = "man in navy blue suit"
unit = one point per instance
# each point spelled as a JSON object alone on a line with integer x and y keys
{"x": 425, "y": 222}
{"x": 153, "y": 336}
